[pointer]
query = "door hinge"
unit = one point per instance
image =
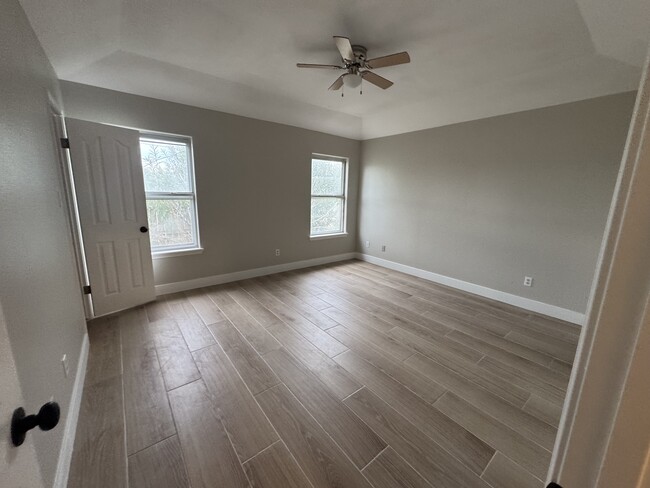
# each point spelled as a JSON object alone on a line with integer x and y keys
{"x": 86, "y": 290}
{"x": 65, "y": 143}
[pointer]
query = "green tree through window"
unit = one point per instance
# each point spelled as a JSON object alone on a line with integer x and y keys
{"x": 169, "y": 185}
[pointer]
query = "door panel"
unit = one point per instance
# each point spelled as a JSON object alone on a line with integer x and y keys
{"x": 112, "y": 207}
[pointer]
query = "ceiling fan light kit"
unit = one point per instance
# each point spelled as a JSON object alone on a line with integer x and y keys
{"x": 352, "y": 80}
{"x": 357, "y": 67}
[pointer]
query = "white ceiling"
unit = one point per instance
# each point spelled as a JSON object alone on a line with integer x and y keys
{"x": 470, "y": 58}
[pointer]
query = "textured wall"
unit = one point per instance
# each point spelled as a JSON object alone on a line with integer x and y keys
{"x": 39, "y": 290}
{"x": 252, "y": 177}
{"x": 493, "y": 200}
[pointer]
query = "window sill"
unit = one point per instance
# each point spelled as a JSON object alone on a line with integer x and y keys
{"x": 327, "y": 236}
{"x": 176, "y": 253}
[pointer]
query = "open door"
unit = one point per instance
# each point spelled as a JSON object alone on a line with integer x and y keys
{"x": 110, "y": 194}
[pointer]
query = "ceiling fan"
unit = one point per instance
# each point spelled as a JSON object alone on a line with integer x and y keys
{"x": 357, "y": 67}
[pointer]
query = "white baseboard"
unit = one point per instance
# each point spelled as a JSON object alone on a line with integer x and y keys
{"x": 249, "y": 273}
{"x": 67, "y": 445}
{"x": 501, "y": 296}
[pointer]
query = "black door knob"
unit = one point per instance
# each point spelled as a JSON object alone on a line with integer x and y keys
{"x": 47, "y": 418}
{"x": 143, "y": 229}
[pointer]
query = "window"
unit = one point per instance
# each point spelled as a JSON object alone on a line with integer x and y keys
{"x": 328, "y": 189}
{"x": 169, "y": 186}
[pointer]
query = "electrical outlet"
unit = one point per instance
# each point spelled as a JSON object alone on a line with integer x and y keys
{"x": 528, "y": 281}
{"x": 383, "y": 248}
{"x": 277, "y": 252}
{"x": 367, "y": 243}
{"x": 64, "y": 363}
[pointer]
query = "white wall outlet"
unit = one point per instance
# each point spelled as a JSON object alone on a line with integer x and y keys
{"x": 383, "y": 248}
{"x": 367, "y": 243}
{"x": 277, "y": 252}
{"x": 64, "y": 363}
{"x": 528, "y": 281}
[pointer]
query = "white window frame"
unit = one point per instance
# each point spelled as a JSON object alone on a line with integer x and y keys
{"x": 343, "y": 196}
{"x": 183, "y": 249}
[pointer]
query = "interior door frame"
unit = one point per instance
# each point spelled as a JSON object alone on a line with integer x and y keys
{"x": 70, "y": 197}
{"x": 605, "y": 371}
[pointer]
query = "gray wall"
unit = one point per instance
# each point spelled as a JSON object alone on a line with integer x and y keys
{"x": 493, "y": 200}
{"x": 252, "y": 181}
{"x": 39, "y": 290}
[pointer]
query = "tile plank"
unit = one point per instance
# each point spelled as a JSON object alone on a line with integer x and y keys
{"x": 419, "y": 384}
{"x": 194, "y": 331}
{"x": 544, "y": 410}
{"x": 308, "y": 330}
{"x": 556, "y": 348}
{"x": 176, "y": 362}
{"x": 104, "y": 354}
{"x": 209, "y": 456}
{"x": 99, "y": 458}
{"x": 523, "y": 422}
{"x": 458, "y": 441}
{"x": 381, "y": 341}
{"x": 158, "y": 310}
{"x": 284, "y": 281}
{"x": 206, "y": 308}
{"x": 158, "y": 466}
{"x": 245, "y": 423}
{"x": 258, "y": 311}
{"x": 361, "y": 315}
{"x": 434, "y": 463}
{"x": 337, "y": 379}
{"x": 307, "y": 311}
{"x": 275, "y": 468}
{"x": 524, "y": 378}
{"x": 513, "y": 361}
{"x": 472, "y": 372}
{"x": 504, "y": 343}
{"x": 355, "y": 438}
{"x": 250, "y": 328}
{"x": 251, "y": 367}
{"x": 321, "y": 459}
{"x": 529, "y": 455}
{"x": 504, "y": 473}
{"x": 436, "y": 346}
{"x": 146, "y": 408}
{"x": 389, "y": 470}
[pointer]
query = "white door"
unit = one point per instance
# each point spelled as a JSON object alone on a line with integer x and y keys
{"x": 110, "y": 193}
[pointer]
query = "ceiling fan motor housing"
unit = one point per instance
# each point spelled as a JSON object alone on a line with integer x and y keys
{"x": 360, "y": 54}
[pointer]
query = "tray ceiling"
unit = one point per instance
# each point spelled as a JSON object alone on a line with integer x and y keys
{"x": 470, "y": 58}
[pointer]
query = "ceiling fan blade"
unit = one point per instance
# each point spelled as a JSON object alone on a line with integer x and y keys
{"x": 337, "y": 84}
{"x": 390, "y": 60}
{"x": 324, "y": 66}
{"x": 375, "y": 79}
{"x": 344, "y": 47}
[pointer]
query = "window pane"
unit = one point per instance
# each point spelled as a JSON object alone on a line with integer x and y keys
{"x": 171, "y": 223}
{"x": 327, "y": 177}
{"x": 165, "y": 166}
{"x": 326, "y": 215}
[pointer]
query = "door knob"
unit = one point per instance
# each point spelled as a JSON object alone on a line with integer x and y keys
{"x": 47, "y": 418}
{"x": 143, "y": 229}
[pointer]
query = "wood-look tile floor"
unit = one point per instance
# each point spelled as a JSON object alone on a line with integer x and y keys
{"x": 346, "y": 375}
